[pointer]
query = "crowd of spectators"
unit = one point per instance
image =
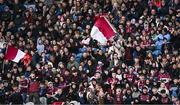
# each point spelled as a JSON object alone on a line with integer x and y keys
{"x": 141, "y": 67}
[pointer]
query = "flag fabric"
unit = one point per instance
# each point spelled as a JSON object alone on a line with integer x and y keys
{"x": 102, "y": 30}
{"x": 14, "y": 54}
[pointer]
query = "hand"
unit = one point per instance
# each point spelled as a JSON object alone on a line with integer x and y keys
{"x": 152, "y": 98}
{"x": 48, "y": 95}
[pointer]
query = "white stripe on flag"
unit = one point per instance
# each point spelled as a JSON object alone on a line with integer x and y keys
{"x": 19, "y": 56}
{"x": 98, "y": 35}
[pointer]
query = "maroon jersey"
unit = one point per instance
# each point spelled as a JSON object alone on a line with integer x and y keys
{"x": 163, "y": 76}
{"x": 141, "y": 84}
{"x": 118, "y": 99}
{"x": 165, "y": 100}
{"x": 33, "y": 86}
{"x": 113, "y": 80}
{"x": 130, "y": 77}
{"x": 51, "y": 90}
{"x": 144, "y": 98}
{"x": 24, "y": 84}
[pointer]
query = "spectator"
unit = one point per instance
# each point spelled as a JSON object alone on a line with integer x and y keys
{"x": 33, "y": 89}
{"x": 16, "y": 97}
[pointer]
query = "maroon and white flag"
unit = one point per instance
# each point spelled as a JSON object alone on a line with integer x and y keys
{"x": 102, "y": 30}
{"x": 16, "y": 55}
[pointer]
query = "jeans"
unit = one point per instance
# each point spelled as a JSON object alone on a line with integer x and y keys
{"x": 24, "y": 96}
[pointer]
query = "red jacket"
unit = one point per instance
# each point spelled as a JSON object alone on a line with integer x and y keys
{"x": 33, "y": 86}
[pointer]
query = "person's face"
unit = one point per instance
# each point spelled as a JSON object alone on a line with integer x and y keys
{"x": 162, "y": 85}
{"x": 144, "y": 90}
{"x": 163, "y": 3}
{"x": 68, "y": 21}
{"x": 129, "y": 39}
{"x": 140, "y": 21}
{"x": 61, "y": 79}
{"x": 163, "y": 95}
{"x": 15, "y": 70}
{"x": 74, "y": 26}
{"x": 22, "y": 78}
{"x": 31, "y": 10}
{"x": 135, "y": 88}
{"x": 78, "y": 3}
{"x": 123, "y": 65}
{"x": 1, "y": 1}
{"x": 56, "y": 80}
{"x": 89, "y": 62}
{"x": 175, "y": 81}
{"x": 46, "y": 67}
{"x": 138, "y": 48}
{"x": 98, "y": 75}
{"x": 32, "y": 76}
{"x": 152, "y": 72}
{"x": 136, "y": 60}
{"x": 6, "y": 9}
{"x": 118, "y": 71}
{"x": 61, "y": 65}
{"x": 162, "y": 71}
{"x": 147, "y": 82}
{"x": 73, "y": 86}
{"x": 153, "y": 11}
{"x": 42, "y": 85}
{"x": 64, "y": 26}
{"x": 154, "y": 90}
{"x": 20, "y": 43}
{"x": 141, "y": 77}
{"x": 59, "y": 91}
{"x": 108, "y": 97}
{"x": 50, "y": 84}
{"x": 115, "y": 56}
{"x": 90, "y": 11}
{"x": 100, "y": 52}
{"x": 75, "y": 73}
{"x": 65, "y": 50}
{"x": 137, "y": 24}
{"x": 15, "y": 88}
{"x": 85, "y": 84}
{"x": 72, "y": 59}
{"x": 37, "y": 66}
{"x": 8, "y": 75}
{"x": 118, "y": 91}
{"x": 80, "y": 68}
{"x": 55, "y": 48}
{"x": 176, "y": 1}
{"x": 128, "y": 91}
{"x": 94, "y": 82}
{"x": 114, "y": 75}
{"x": 1, "y": 85}
{"x": 66, "y": 73}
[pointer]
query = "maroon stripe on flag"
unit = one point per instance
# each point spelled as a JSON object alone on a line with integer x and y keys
{"x": 104, "y": 27}
{"x": 11, "y": 53}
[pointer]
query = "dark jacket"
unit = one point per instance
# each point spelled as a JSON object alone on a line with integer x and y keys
{"x": 16, "y": 98}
